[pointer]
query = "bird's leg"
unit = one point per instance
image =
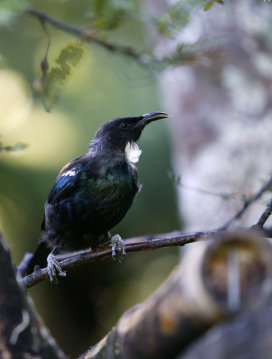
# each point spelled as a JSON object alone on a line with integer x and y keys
{"x": 53, "y": 267}
{"x": 118, "y": 247}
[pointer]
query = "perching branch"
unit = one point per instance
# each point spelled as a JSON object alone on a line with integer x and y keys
{"x": 151, "y": 242}
{"x": 135, "y": 244}
{"x": 248, "y": 203}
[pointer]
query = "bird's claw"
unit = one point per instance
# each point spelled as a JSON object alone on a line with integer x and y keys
{"x": 118, "y": 248}
{"x": 54, "y": 269}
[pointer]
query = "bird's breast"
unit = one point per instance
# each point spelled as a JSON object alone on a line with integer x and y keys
{"x": 119, "y": 184}
{"x": 105, "y": 200}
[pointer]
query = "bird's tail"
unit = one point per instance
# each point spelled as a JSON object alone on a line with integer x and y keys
{"x": 39, "y": 258}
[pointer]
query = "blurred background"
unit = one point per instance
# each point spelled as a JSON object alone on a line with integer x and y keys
{"x": 208, "y": 63}
{"x": 84, "y": 306}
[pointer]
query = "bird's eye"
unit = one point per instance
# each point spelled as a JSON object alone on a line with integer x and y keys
{"x": 124, "y": 125}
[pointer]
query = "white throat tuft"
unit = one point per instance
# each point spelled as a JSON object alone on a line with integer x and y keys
{"x": 133, "y": 152}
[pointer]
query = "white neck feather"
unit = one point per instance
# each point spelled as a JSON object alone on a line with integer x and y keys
{"x": 132, "y": 152}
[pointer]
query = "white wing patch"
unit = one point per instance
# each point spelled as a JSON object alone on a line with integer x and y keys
{"x": 69, "y": 173}
{"x": 133, "y": 152}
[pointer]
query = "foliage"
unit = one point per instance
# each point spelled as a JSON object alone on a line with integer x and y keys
{"x": 169, "y": 23}
{"x": 105, "y": 16}
{"x": 109, "y": 14}
{"x": 178, "y": 15}
{"x": 10, "y": 148}
{"x": 186, "y": 53}
{"x": 55, "y": 78}
{"x": 209, "y": 4}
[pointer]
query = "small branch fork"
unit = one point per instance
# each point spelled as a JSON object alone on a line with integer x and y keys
{"x": 248, "y": 203}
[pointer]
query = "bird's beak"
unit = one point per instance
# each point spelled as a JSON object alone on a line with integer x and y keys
{"x": 150, "y": 117}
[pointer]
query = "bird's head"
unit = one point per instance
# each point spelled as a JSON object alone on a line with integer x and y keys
{"x": 120, "y": 132}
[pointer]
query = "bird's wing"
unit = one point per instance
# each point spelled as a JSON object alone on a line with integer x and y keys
{"x": 66, "y": 182}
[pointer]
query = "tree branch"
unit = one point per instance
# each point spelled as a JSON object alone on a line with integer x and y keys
{"x": 89, "y": 36}
{"x": 248, "y": 203}
{"x": 135, "y": 244}
{"x": 265, "y": 215}
{"x": 150, "y": 242}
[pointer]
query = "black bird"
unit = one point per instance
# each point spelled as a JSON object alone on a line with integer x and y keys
{"x": 92, "y": 193}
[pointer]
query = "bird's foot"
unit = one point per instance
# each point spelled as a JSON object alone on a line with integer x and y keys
{"x": 53, "y": 268}
{"x": 118, "y": 248}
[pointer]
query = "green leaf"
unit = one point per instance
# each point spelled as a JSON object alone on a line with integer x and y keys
{"x": 55, "y": 79}
{"x": 208, "y": 5}
{"x": 17, "y": 147}
{"x": 11, "y": 8}
{"x": 109, "y": 14}
{"x": 177, "y": 16}
{"x": 163, "y": 25}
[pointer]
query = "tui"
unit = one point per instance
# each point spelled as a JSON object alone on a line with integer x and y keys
{"x": 92, "y": 193}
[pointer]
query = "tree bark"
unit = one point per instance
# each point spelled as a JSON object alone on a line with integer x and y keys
{"x": 222, "y": 110}
{"x": 249, "y": 336}
{"x": 201, "y": 291}
{"x": 22, "y": 332}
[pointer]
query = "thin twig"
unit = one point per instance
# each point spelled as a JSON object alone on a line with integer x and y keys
{"x": 136, "y": 244}
{"x": 89, "y": 36}
{"x": 177, "y": 180}
{"x": 265, "y": 215}
{"x": 248, "y": 203}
